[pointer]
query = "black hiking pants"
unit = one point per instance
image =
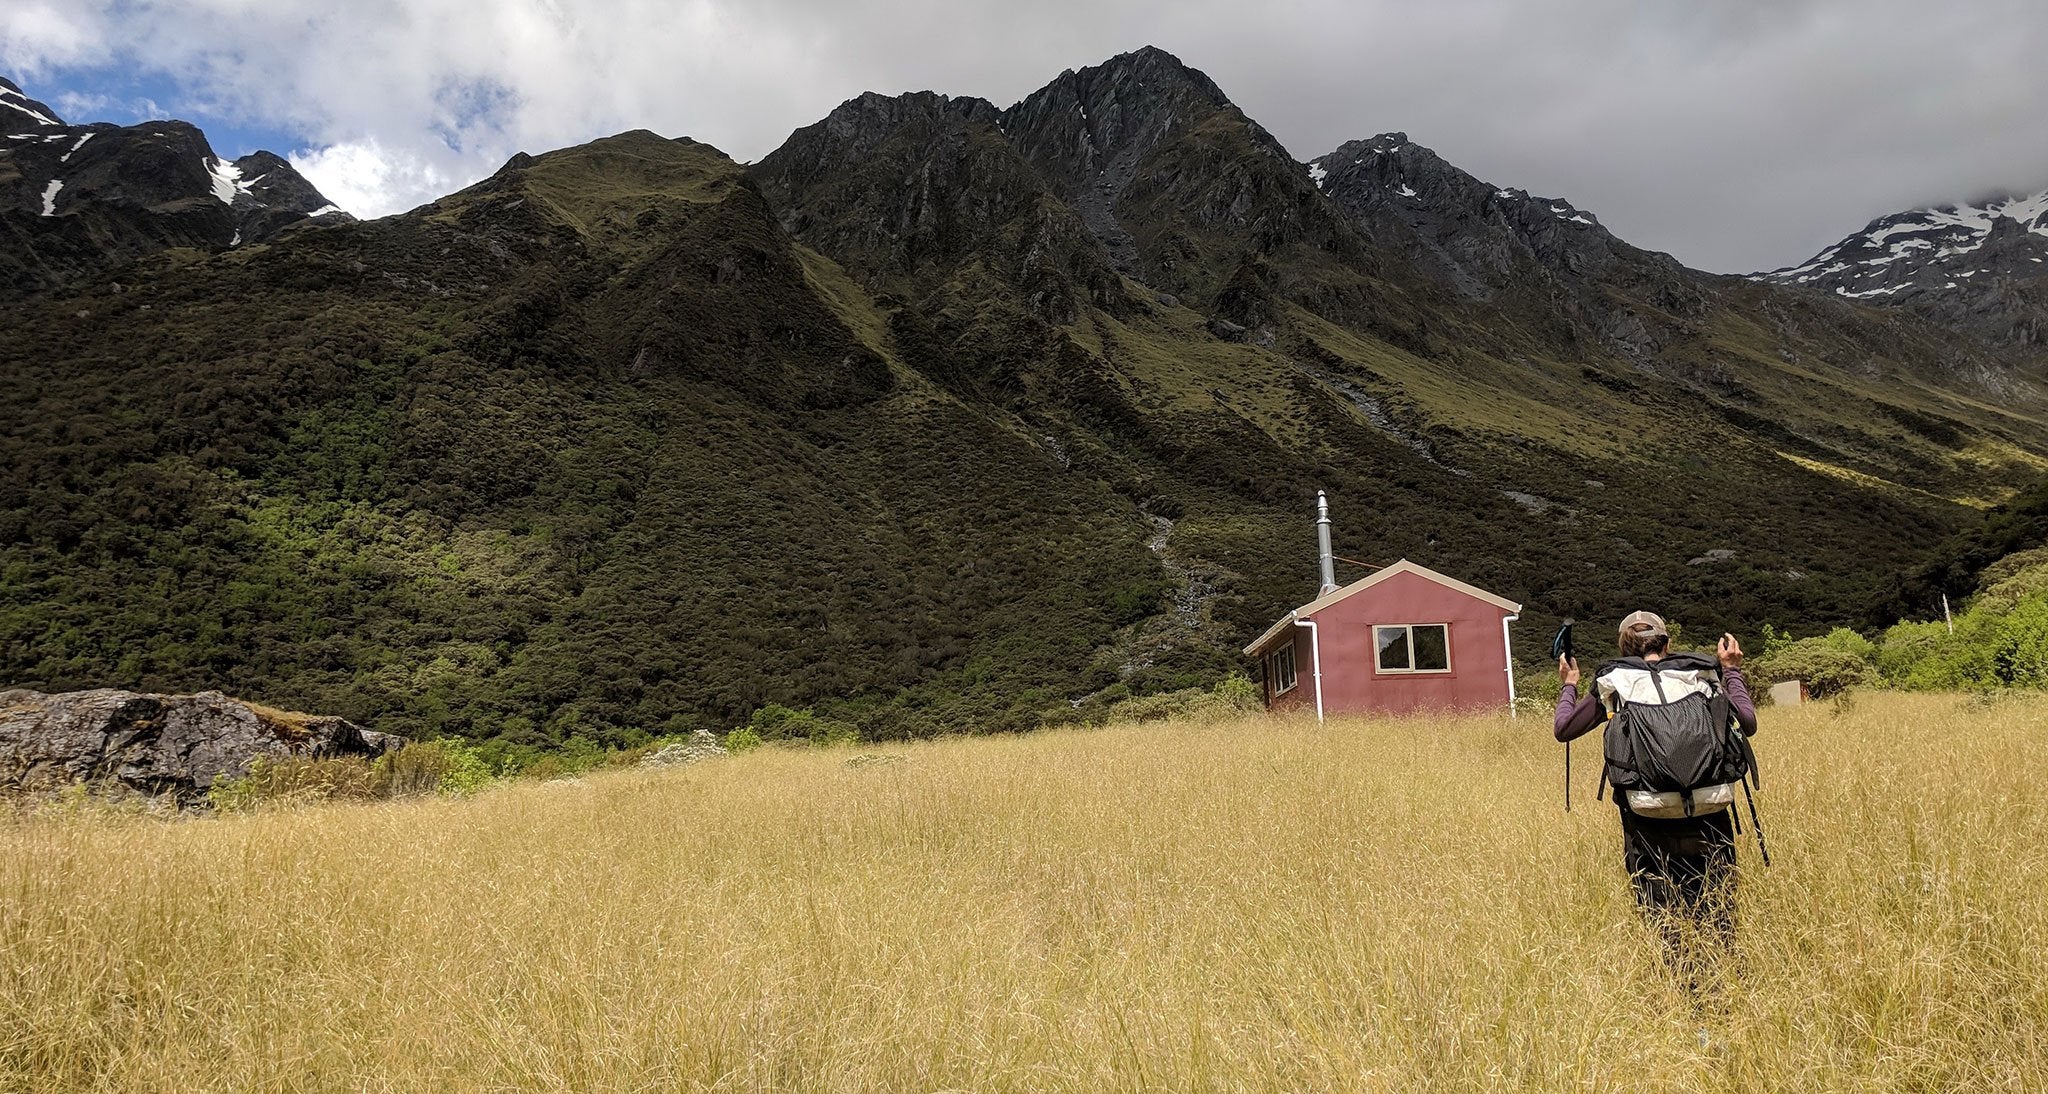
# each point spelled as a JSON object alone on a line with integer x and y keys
{"x": 1683, "y": 873}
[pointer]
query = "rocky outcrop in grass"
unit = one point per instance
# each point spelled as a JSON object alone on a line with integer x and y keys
{"x": 158, "y": 745}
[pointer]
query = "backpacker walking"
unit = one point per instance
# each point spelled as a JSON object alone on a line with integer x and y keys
{"x": 1677, "y": 751}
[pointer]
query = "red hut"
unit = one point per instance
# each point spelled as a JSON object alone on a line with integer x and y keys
{"x": 1404, "y": 639}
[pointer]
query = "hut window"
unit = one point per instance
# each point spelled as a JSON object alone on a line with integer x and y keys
{"x": 1283, "y": 670}
{"x": 1412, "y": 647}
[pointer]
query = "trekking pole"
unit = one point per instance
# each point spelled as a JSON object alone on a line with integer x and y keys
{"x": 1756, "y": 824}
{"x": 1561, "y": 650}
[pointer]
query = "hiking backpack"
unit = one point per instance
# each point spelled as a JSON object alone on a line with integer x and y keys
{"x": 1672, "y": 746}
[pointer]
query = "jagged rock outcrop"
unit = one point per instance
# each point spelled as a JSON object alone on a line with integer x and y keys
{"x": 1178, "y": 184}
{"x": 1541, "y": 257}
{"x": 907, "y": 189}
{"x": 78, "y": 199}
{"x": 176, "y": 745}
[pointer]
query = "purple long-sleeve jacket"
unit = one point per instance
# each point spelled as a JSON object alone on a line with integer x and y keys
{"x": 1577, "y": 714}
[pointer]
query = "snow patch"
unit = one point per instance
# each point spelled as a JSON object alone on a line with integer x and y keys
{"x": 1405, "y": 192}
{"x": 50, "y": 197}
{"x": 66, "y": 157}
{"x": 227, "y": 179}
{"x": 7, "y": 99}
{"x": 1316, "y": 174}
{"x": 324, "y": 210}
{"x": 1886, "y": 291}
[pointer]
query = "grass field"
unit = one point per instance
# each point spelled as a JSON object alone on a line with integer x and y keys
{"x": 1247, "y": 906}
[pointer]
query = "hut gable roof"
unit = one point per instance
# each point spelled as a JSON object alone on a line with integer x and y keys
{"x": 1362, "y": 584}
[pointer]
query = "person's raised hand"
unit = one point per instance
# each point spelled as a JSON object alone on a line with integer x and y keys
{"x": 1568, "y": 670}
{"x": 1730, "y": 651}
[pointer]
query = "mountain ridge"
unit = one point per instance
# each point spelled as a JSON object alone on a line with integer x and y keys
{"x": 77, "y": 200}
{"x": 629, "y": 436}
{"x": 1978, "y": 267}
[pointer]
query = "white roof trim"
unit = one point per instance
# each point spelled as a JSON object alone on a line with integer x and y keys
{"x": 1362, "y": 584}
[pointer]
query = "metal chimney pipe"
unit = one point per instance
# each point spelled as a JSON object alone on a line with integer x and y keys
{"x": 1328, "y": 561}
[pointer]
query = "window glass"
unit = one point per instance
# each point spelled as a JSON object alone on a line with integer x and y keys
{"x": 1432, "y": 647}
{"x": 1393, "y": 643}
{"x": 1283, "y": 670}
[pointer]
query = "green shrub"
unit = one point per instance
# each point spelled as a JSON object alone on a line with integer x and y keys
{"x": 743, "y": 739}
{"x": 1233, "y": 697}
{"x": 467, "y": 772}
{"x": 1829, "y": 665}
{"x": 425, "y": 767}
{"x": 779, "y": 723}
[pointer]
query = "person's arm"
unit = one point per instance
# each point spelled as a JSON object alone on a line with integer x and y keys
{"x": 1576, "y": 714}
{"x": 1736, "y": 687}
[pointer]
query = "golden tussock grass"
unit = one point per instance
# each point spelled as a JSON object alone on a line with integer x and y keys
{"x": 1246, "y": 906}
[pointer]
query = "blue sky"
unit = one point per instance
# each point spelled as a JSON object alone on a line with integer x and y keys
{"x": 1737, "y": 135}
{"x": 126, "y": 96}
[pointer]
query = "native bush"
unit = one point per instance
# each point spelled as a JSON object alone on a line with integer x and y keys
{"x": 779, "y": 723}
{"x": 1233, "y": 697}
{"x": 1830, "y": 664}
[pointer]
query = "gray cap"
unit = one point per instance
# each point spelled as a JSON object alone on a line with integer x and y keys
{"x": 1647, "y": 624}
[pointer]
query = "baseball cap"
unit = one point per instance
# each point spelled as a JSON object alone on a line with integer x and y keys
{"x": 1644, "y": 623}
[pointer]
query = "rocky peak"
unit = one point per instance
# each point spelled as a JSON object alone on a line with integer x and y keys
{"x": 75, "y": 199}
{"x": 1390, "y": 169}
{"x": 1172, "y": 178}
{"x": 1093, "y": 120}
{"x": 906, "y": 186}
{"x": 17, "y": 109}
{"x": 1472, "y": 235}
{"x": 857, "y": 129}
{"x": 871, "y": 111}
{"x": 1979, "y": 266}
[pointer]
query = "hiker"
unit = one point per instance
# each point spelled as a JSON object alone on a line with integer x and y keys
{"x": 1680, "y": 864}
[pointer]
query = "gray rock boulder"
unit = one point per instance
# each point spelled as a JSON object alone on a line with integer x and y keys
{"x": 177, "y": 745}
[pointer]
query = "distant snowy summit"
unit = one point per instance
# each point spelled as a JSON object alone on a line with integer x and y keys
{"x": 1981, "y": 265}
{"x": 78, "y": 199}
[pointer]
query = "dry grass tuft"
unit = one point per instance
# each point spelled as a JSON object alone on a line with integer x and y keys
{"x": 1251, "y": 905}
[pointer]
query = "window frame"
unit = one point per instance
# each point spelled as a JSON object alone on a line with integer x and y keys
{"x": 1293, "y": 670}
{"x": 1408, "y": 639}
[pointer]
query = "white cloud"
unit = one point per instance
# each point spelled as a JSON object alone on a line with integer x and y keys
{"x": 39, "y": 35}
{"x": 1737, "y": 136}
{"x": 370, "y": 180}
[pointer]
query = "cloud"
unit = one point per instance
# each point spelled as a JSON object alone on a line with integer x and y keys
{"x": 37, "y": 36}
{"x": 1739, "y": 135}
{"x": 364, "y": 175}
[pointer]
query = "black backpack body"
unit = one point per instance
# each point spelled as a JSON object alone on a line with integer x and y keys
{"x": 1671, "y": 743}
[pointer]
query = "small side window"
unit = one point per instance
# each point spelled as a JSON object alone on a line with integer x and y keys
{"x": 1283, "y": 670}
